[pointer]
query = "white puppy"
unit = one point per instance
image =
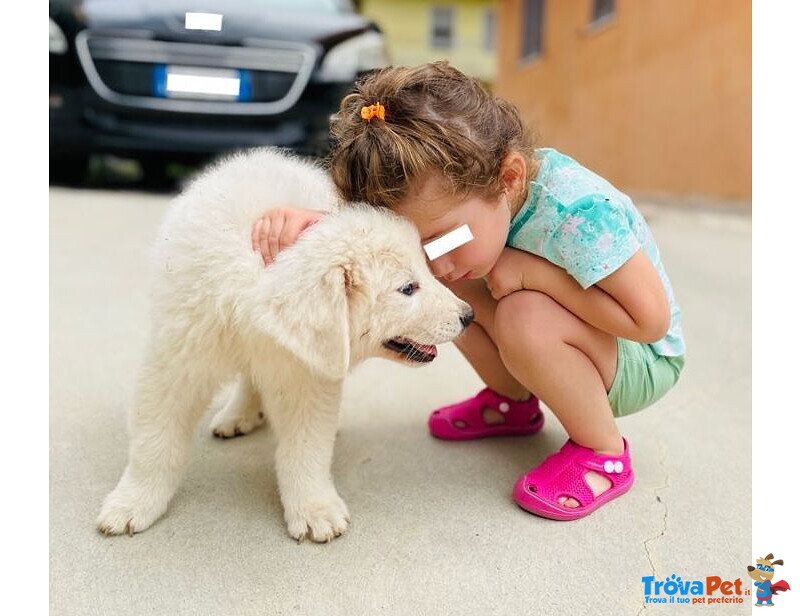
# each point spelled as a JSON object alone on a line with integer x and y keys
{"x": 355, "y": 285}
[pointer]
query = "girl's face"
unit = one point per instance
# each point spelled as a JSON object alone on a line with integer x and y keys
{"x": 435, "y": 213}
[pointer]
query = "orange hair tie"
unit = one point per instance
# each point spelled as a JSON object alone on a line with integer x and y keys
{"x": 373, "y": 111}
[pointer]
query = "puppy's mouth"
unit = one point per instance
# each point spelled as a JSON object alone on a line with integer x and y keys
{"x": 412, "y": 351}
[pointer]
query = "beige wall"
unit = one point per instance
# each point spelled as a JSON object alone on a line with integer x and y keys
{"x": 407, "y": 26}
{"x": 658, "y": 99}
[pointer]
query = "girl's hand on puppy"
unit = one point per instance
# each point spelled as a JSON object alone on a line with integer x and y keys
{"x": 279, "y": 228}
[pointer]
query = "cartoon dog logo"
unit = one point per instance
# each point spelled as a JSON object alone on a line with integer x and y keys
{"x": 763, "y": 573}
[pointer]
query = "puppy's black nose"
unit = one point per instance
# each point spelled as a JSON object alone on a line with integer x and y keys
{"x": 468, "y": 318}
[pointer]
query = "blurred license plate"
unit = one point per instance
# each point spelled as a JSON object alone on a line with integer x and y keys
{"x": 201, "y": 83}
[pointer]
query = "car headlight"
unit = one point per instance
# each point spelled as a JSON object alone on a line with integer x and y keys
{"x": 58, "y": 42}
{"x": 363, "y": 52}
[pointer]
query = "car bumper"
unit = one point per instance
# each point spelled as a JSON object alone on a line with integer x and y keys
{"x": 81, "y": 123}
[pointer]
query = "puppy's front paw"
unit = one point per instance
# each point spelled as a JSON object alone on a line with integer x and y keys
{"x": 321, "y": 520}
{"x": 123, "y": 513}
{"x": 227, "y": 425}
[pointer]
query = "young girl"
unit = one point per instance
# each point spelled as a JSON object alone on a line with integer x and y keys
{"x": 572, "y": 303}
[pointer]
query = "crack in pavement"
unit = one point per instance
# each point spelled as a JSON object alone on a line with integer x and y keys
{"x": 663, "y": 530}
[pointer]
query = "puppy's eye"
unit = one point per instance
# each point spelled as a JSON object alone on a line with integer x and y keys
{"x": 409, "y": 289}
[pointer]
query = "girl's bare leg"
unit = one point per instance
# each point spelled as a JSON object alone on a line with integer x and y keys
{"x": 477, "y": 345}
{"x": 567, "y": 363}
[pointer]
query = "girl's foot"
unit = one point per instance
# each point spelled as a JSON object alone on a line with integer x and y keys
{"x": 574, "y": 482}
{"x": 486, "y": 414}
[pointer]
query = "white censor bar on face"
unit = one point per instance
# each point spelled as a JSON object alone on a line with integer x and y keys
{"x": 195, "y": 80}
{"x": 203, "y": 21}
{"x": 449, "y": 241}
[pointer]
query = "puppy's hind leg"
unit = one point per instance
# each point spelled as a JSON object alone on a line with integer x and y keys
{"x": 173, "y": 390}
{"x": 242, "y": 413}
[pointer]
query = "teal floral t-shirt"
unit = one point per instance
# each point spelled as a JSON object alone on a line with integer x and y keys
{"x": 580, "y": 222}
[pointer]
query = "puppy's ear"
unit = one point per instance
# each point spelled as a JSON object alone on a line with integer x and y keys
{"x": 777, "y": 562}
{"x": 310, "y": 318}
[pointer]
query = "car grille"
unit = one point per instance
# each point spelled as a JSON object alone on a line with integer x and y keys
{"x": 121, "y": 69}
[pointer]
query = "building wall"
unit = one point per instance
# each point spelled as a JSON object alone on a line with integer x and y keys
{"x": 407, "y": 26}
{"x": 657, "y": 99}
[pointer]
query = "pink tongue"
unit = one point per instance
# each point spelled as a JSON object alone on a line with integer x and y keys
{"x": 428, "y": 349}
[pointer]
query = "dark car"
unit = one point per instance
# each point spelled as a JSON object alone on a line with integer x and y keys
{"x": 163, "y": 79}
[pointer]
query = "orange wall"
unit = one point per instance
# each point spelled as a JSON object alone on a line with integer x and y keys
{"x": 658, "y": 99}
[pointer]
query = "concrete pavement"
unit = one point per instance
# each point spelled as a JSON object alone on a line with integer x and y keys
{"x": 434, "y": 528}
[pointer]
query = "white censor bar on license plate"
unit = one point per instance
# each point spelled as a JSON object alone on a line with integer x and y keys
{"x": 198, "y": 82}
{"x": 203, "y": 21}
{"x": 449, "y": 241}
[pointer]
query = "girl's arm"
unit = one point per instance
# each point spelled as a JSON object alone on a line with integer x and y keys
{"x": 630, "y": 303}
{"x": 279, "y": 228}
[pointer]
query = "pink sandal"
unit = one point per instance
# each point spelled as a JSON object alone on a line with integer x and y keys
{"x": 521, "y": 418}
{"x": 563, "y": 474}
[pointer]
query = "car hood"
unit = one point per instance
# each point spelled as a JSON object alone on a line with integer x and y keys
{"x": 242, "y": 19}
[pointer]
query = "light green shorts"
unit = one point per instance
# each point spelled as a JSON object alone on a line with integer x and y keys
{"x": 642, "y": 377}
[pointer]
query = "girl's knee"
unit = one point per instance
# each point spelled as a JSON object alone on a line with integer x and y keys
{"x": 525, "y": 318}
{"x": 527, "y": 306}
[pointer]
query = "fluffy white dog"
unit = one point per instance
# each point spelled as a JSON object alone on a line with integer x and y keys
{"x": 355, "y": 285}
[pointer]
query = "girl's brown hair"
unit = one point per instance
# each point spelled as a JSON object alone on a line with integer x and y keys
{"x": 437, "y": 119}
